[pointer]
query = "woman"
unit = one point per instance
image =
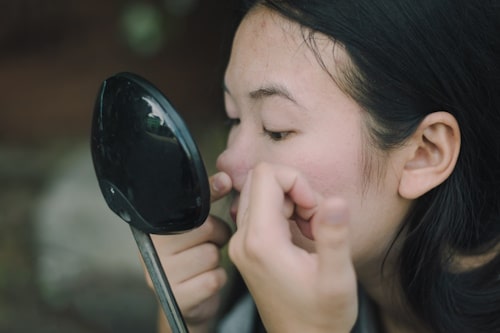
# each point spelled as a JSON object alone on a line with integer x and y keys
{"x": 364, "y": 156}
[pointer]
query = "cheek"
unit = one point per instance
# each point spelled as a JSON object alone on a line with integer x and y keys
{"x": 374, "y": 215}
{"x": 333, "y": 161}
{"x": 333, "y": 169}
{"x": 334, "y": 177}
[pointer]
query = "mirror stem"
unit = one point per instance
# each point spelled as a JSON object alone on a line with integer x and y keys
{"x": 160, "y": 281}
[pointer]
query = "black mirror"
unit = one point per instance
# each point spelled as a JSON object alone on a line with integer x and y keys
{"x": 148, "y": 167}
{"x": 149, "y": 170}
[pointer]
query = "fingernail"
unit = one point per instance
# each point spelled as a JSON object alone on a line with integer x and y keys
{"x": 338, "y": 213}
{"x": 337, "y": 217}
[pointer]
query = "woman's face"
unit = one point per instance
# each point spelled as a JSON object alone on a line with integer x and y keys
{"x": 286, "y": 109}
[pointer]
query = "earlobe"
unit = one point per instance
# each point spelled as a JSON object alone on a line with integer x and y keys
{"x": 432, "y": 153}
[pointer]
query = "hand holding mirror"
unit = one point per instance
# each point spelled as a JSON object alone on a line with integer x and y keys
{"x": 149, "y": 170}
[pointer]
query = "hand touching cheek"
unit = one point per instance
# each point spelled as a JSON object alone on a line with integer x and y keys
{"x": 295, "y": 290}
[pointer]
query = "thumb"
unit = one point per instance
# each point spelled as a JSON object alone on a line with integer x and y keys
{"x": 220, "y": 185}
{"x": 331, "y": 232}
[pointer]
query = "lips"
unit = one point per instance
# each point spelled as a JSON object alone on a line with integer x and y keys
{"x": 233, "y": 210}
{"x": 304, "y": 227}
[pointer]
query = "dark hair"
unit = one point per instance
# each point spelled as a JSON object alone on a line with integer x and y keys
{"x": 409, "y": 59}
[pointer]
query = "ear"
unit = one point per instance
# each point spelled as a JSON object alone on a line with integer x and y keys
{"x": 431, "y": 155}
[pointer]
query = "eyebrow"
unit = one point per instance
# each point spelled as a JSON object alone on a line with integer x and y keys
{"x": 268, "y": 91}
{"x": 272, "y": 90}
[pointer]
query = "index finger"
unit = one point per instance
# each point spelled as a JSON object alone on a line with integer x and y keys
{"x": 268, "y": 193}
{"x": 220, "y": 185}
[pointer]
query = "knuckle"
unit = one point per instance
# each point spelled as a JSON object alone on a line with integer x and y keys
{"x": 214, "y": 281}
{"x": 253, "y": 247}
{"x": 235, "y": 250}
{"x": 245, "y": 249}
{"x": 210, "y": 254}
{"x": 232, "y": 249}
{"x": 202, "y": 311}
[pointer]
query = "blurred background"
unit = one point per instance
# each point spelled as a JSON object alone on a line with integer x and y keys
{"x": 67, "y": 264}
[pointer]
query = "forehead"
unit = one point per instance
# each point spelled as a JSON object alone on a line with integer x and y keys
{"x": 264, "y": 32}
{"x": 269, "y": 44}
{"x": 267, "y": 25}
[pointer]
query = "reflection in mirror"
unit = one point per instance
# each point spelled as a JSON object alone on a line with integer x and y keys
{"x": 149, "y": 168}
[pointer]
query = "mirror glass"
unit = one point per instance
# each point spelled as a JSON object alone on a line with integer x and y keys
{"x": 148, "y": 166}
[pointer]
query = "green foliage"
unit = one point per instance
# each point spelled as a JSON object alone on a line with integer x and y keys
{"x": 147, "y": 27}
{"x": 143, "y": 28}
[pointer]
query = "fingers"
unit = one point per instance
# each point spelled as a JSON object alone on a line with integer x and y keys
{"x": 270, "y": 197}
{"x": 268, "y": 201}
{"x": 213, "y": 230}
{"x": 194, "y": 261}
{"x": 272, "y": 189}
{"x": 191, "y": 253}
{"x": 206, "y": 286}
{"x": 220, "y": 185}
{"x": 284, "y": 276}
{"x": 331, "y": 232}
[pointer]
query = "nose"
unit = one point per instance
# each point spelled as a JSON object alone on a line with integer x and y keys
{"x": 237, "y": 160}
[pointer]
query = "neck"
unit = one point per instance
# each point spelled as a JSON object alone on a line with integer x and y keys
{"x": 394, "y": 314}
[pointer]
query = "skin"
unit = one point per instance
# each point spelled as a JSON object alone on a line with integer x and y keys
{"x": 322, "y": 129}
{"x": 276, "y": 88}
{"x": 307, "y": 211}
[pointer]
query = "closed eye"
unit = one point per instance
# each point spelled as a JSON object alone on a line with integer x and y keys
{"x": 276, "y": 135}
